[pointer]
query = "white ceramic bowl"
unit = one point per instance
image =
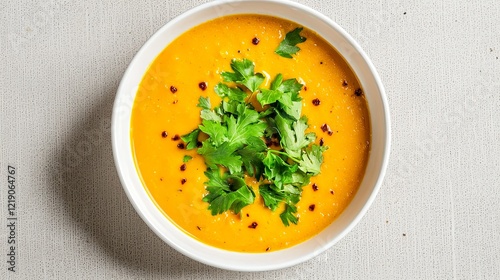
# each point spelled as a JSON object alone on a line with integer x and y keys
{"x": 175, "y": 237}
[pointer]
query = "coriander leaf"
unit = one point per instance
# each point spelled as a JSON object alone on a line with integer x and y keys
{"x": 312, "y": 159}
{"x": 300, "y": 178}
{"x": 230, "y": 107}
{"x": 246, "y": 125}
{"x": 215, "y": 130}
{"x": 186, "y": 158}
{"x": 223, "y": 155}
{"x": 253, "y": 82}
{"x": 243, "y": 74}
{"x": 276, "y": 82}
{"x": 293, "y": 137}
{"x": 217, "y": 185}
{"x": 271, "y": 197}
{"x": 232, "y": 77}
{"x": 244, "y": 67}
{"x": 232, "y": 93}
{"x": 288, "y": 215}
{"x": 191, "y": 139}
{"x": 287, "y": 47}
{"x": 210, "y": 115}
{"x": 239, "y": 196}
{"x": 268, "y": 96}
{"x": 277, "y": 170}
{"x": 293, "y": 110}
{"x": 204, "y": 102}
{"x": 252, "y": 156}
{"x": 292, "y": 86}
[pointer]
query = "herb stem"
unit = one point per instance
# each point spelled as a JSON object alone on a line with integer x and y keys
{"x": 285, "y": 154}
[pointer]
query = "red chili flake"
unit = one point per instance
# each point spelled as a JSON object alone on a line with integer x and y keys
{"x": 173, "y": 89}
{"x": 358, "y": 92}
{"x": 202, "y": 85}
{"x": 321, "y": 62}
{"x": 199, "y": 144}
{"x": 275, "y": 141}
{"x": 326, "y": 128}
{"x": 176, "y": 137}
{"x": 311, "y": 207}
{"x": 239, "y": 51}
{"x": 305, "y": 88}
{"x": 321, "y": 142}
{"x": 332, "y": 192}
{"x": 269, "y": 142}
{"x": 268, "y": 248}
{"x": 183, "y": 167}
{"x": 255, "y": 41}
{"x": 199, "y": 228}
{"x": 248, "y": 215}
{"x": 253, "y": 225}
{"x": 183, "y": 181}
{"x": 180, "y": 146}
{"x": 344, "y": 83}
{"x": 316, "y": 101}
{"x": 164, "y": 134}
{"x": 315, "y": 187}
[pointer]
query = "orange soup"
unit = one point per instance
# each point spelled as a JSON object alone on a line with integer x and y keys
{"x": 166, "y": 108}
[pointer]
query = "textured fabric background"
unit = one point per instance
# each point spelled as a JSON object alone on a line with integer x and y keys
{"x": 436, "y": 216}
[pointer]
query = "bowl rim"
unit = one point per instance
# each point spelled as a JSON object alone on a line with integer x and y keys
{"x": 385, "y": 158}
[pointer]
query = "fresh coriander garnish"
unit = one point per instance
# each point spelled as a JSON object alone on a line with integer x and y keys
{"x": 287, "y": 47}
{"x": 235, "y": 146}
{"x": 243, "y": 74}
{"x": 186, "y": 158}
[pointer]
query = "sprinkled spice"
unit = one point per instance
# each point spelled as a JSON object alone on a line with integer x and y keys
{"x": 175, "y": 101}
{"x": 253, "y": 225}
{"x": 311, "y": 207}
{"x": 316, "y": 101}
{"x": 248, "y": 215}
{"x": 176, "y": 137}
{"x": 202, "y": 85}
{"x": 268, "y": 248}
{"x": 198, "y": 227}
{"x": 161, "y": 179}
{"x": 326, "y": 128}
{"x": 315, "y": 187}
{"x": 305, "y": 88}
{"x": 404, "y": 234}
{"x": 180, "y": 146}
{"x": 269, "y": 142}
{"x": 183, "y": 181}
{"x": 321, "y": 142}
{"x": 164, "y": 134}
{"x": 183, "y": 167}
{"x": 173, "y": 89}
{"x": 255, "y": 41}
{"x": 332, "y": 192}
{"x": 358, "y": 92}
{"x": 344, "y": 83}
{"x": 321, "y": 62}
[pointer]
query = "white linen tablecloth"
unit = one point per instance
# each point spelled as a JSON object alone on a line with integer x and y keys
{"x": 436, "y": 216}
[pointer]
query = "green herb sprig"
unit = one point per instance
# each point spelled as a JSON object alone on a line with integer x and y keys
{"x": 288, "y": 46}
{"x": 235, "y": 145}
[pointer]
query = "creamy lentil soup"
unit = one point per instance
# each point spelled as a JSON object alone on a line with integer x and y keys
{"x": 166, "y": 108}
